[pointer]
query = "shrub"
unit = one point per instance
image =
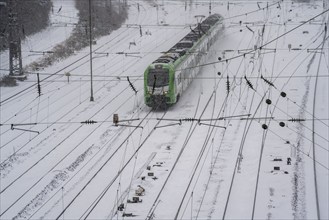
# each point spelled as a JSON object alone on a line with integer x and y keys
{"x": 8, "y": 81}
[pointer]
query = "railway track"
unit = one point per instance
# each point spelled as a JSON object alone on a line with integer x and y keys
{"x": 314, "y": 147}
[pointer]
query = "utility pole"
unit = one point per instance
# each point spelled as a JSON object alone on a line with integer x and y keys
{"x": 15, "y": 53}
{"x": 91, "y": 56}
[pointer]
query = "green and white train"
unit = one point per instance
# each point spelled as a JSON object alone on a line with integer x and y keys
{"x": 167, "y": 77}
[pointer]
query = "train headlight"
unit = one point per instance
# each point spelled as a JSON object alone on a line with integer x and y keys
{"x": 165, "y": 92}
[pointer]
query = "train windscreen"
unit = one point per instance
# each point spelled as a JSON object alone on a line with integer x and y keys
{"x": 158, "y": 77}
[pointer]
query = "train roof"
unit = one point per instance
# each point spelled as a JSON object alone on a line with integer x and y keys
{"x": 187, "y": 42}
{"x": 168, "y": 57}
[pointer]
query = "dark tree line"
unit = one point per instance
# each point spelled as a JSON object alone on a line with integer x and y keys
{"x": 33, "y": 16}
{"x": 107, "y": 15}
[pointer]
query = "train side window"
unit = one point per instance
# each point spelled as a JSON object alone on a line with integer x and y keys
{"x": 178, "y": 78}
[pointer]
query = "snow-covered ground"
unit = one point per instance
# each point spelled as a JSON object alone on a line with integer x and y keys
{"x": 268, "y": 92}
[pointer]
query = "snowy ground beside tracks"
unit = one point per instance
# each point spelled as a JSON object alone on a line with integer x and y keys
{"x": 72, "y": 170}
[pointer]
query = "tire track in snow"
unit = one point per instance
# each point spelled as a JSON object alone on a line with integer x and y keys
{"x": 298, "y": 198}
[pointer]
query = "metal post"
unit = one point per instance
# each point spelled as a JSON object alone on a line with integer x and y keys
{"x": 15, "y": 54}
{"x": 91, "y": 56}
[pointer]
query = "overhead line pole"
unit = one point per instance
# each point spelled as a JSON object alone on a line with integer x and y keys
{"x": 91, "y": 56}
{"x": 15, "y": 53}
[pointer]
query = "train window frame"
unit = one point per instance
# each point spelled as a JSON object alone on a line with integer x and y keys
{"x": 179, "y": 78}
{"x": 161, "y": 73}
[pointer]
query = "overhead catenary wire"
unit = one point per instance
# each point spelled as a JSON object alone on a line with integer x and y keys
{"x": 245, "y": 132}
{"x": 121, "y": 77}
{"x": 203, "y": 148}
{"x": 236, "y": 119}
{"x": 3, "y": 189}
{"x": 80, "y": 80}
{"x": 63, "y": 115}
{"x": 265, "y": 131}
{"x": 264, "y": 135}
{"x": 55, "y": 73}
{"x": 293, "y": 118}
{"x": 89, "y": 161}
{"x": 80, "y": 103}
{"x": 212, "y": 164}
{"x": 100, "y": 196}
{"x": 299, "y": 150}
{"x": 151, "y": 211}
{"x": 259, "y": 47}
{"x": 153, "y": 208}
{"x": 18, "y": 93}
{"x": 211, "y": 50}
{"x": 224, "y": 132}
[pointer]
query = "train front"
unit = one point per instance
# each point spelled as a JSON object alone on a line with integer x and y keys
{"x": 159, "y": 86}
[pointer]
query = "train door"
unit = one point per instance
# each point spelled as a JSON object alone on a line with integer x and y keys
{"x": 178, "y": 82}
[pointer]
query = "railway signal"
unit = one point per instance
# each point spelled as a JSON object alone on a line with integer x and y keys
{"x": 116, "y": 121}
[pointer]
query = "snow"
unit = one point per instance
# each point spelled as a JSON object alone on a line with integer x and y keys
{"x": 201, "y": 172}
